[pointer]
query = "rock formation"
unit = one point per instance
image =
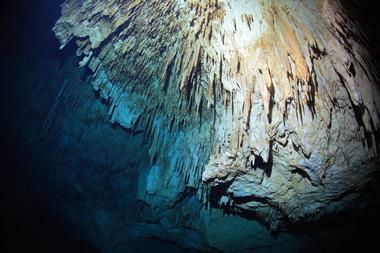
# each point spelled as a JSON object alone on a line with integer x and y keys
{"x": 261, "y": 107}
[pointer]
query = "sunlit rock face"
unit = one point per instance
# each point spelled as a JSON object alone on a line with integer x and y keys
{"x": 262, "y": 107}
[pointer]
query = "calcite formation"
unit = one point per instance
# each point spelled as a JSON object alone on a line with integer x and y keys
{"x": 262, "y": 106}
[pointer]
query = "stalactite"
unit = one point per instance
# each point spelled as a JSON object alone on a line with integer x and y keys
{"x": 262, "y": 77}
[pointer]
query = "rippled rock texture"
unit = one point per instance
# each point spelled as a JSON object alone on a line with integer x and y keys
{"x": 264, "y": 108}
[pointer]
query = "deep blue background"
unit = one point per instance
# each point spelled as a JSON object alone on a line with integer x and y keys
{"x": 27, "y": 223}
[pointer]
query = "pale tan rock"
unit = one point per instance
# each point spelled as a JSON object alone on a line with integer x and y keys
{"x": 276, "y": 100}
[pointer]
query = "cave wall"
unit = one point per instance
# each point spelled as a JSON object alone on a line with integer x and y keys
{"x": 276, "y": 101}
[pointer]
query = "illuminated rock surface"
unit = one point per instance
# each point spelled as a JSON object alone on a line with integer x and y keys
{"x": 264, "y": 109}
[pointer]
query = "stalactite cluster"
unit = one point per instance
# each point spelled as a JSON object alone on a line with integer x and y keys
{"x": 274, "y": 102}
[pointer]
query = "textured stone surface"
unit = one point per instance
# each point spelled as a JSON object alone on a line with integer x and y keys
{"x": 262, "y": 107}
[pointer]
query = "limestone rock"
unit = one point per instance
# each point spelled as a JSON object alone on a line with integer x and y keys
{"x": 274, "y": 102}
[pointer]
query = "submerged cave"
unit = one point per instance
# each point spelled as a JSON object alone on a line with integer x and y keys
{"x": 190, "y": 126}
